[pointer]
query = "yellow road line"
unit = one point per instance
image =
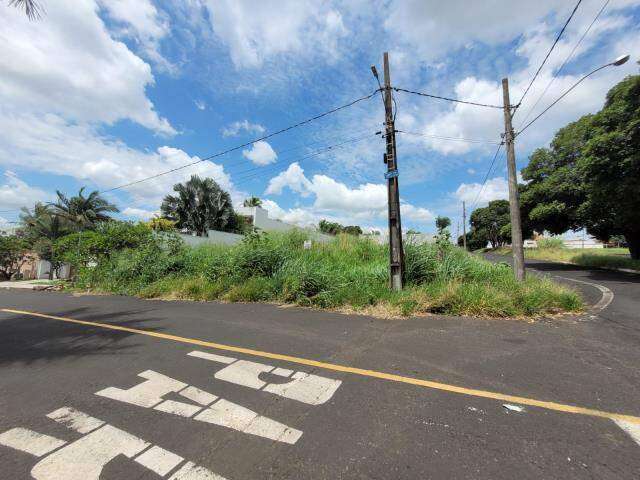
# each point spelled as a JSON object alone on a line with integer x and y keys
{"x": 558, "y": 407}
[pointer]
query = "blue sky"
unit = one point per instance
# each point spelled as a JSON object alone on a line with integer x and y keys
{"x": 105, "y": 92}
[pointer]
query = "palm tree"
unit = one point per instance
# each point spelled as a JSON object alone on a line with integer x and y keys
{"x": 32, "y": 8}
{"x": 252, "y": 202}
{"x": 83, "y": 212}
{"x": 42, "y": 228}
{"x": 200, "y": 205}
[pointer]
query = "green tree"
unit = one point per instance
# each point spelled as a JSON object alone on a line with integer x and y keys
{"x": 442, "y": 223}
{"x": 589, "y": 177}
{"x": 330, "y": 228}
{"x": 83, "y": 212}
{"x": 200, "y": 205}
{"x": 476, "y": 240}
{"x": 158, "y": 224}
{"x": 13, "y": 251}
{"x": 252, "y": 202}
{"x": 491, "y": 223}
{"x": 42, "y": 228}
{"x": 352, "y": 230}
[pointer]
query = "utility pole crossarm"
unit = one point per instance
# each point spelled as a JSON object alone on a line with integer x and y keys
{"x": 396, "y": 253}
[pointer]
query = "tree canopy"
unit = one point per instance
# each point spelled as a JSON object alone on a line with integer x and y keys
{"x": 589, "y": 176}
{"x": 83, "y": 212}
{"x": 200, "y": 204}
{"x": 252, "y": 202}
{"x": 491, "y": 224}
{"x": 13, "y": 250}
{"x": 334, "y": 228}
{"x": 442, "y": 223}
{"x": 42, "y": 227}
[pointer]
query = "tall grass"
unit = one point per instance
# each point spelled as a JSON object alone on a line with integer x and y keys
{"x": 347, "y": 273}
{"x": 588, "y": 257}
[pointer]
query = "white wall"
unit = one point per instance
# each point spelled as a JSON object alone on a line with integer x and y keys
{"x": 261, "y": 220}
{"x": 215, "y": 237}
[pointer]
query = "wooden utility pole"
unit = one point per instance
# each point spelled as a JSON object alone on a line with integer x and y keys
{"x": 396, "y": 253}
{"x": 514, "y": 199}
{"x": 464, "y": 225}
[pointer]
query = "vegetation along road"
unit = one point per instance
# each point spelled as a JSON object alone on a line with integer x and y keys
{"x": 138, "y": 388}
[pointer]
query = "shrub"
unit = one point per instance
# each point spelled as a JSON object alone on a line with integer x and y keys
{"x": 550, "y": 243}
{"x": 348, "y": 271}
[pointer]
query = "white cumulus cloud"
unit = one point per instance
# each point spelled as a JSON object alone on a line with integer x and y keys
{"x": 235, "y": 128}
{"x": 260, "y": 153}
{"x": 366, "y": 202}
{"x": 70, "y": 65}
{"x": 16, "y": 193}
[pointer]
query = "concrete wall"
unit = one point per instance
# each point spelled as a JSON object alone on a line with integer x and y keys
{"x": 215, "y": 237}
{"x": 43, "y": 268}
{"x": 260, "y": 219}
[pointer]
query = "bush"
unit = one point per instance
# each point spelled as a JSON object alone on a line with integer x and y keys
{"x": 550, "y": 243}
{"x": 347, "y": 272}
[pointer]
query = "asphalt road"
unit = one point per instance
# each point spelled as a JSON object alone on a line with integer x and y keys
{"x": 122, "y": 395}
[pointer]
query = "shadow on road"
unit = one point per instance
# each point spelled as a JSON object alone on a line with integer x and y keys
{"x": 28, "y": 339}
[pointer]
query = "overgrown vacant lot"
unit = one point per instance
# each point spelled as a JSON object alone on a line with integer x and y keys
{"x": 588, "y": 257}
{"x": 346, "y": 274}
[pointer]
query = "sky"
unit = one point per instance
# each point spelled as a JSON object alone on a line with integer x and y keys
{"x": 102, "y": 93}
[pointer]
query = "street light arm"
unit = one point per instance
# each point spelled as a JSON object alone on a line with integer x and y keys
{"x": 615, "y": 63}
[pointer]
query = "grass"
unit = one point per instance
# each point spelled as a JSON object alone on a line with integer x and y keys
{"x": 588, "y": 257}
{"x": 348, "y": 274}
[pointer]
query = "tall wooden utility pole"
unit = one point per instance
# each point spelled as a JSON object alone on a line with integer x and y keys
{"x": 514, "y": 199}
{"x": 396, "y": 253}
{"x": 464, "y": 225}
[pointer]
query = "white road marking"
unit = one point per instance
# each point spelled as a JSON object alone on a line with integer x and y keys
{"x": 633, "y": 429}
{"x": 283, "y": 372}
{"x": 159, "y": 460}
{"x": 222, "y": 412}
{"x": 211, "y": 356}
{"x": 198, "y": 396}
{"x": 607, "y": 295}
{"x": 146, "y": 394}
{"x": 304, "y": 387}
{"x": 245, "y": 373}
{"x": 237, "y": 417}
{"x": 178, "y": 408}
{"x": 85, "y": 458}
{"x": 75, "y": 420}
{"x": 28, "y": 441}
{"x": 191, "y": 471}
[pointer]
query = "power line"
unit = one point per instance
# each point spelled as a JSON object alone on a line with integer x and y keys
{"x": 486, "y": 177}
{"x": 562, "y": 96}
{"x": 564, "y": 27}
{"x": 566, "y": 60}
{"x": 259, "y": 171}
{"x": 448, "y": 99}
{"x": 442, "y": 137}
{"x": 238, "y": 147}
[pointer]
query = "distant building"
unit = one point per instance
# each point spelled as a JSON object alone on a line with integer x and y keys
{"x": 8, "y": 229}
{"x": 258, "y": 218}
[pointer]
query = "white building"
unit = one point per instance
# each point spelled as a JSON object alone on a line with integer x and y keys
{"x": 259, "y": 219}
